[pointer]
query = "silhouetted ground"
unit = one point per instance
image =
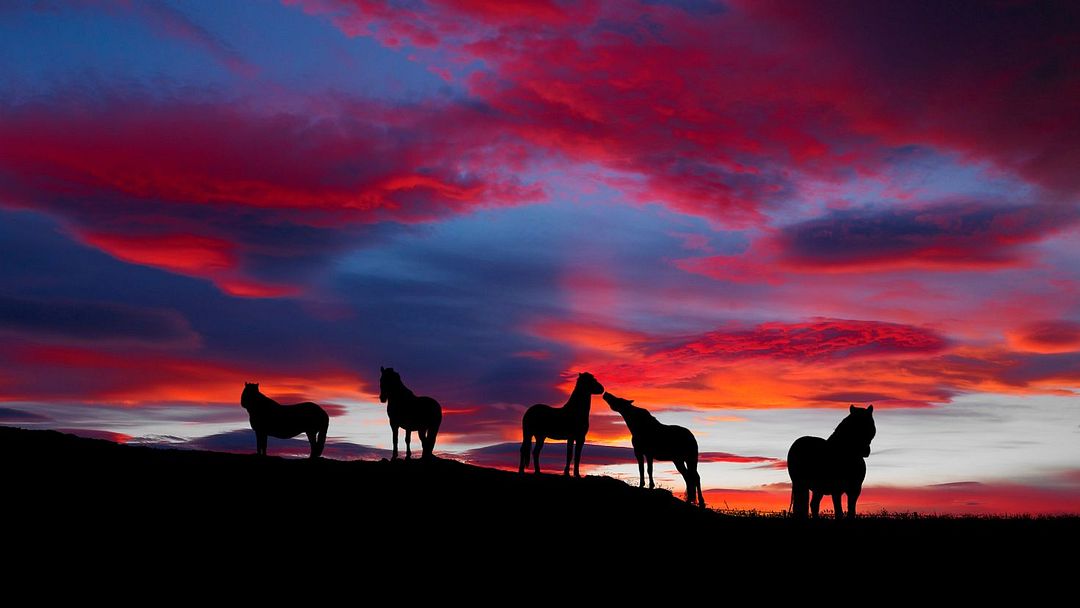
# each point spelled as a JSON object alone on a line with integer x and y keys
{"x": 68, "y": 499}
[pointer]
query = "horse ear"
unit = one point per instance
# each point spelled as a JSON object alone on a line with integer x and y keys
{"x": 580, "y": 374}
{"x": 870, "y": 409}
{"x": 630, "y": 401}
{"x": 851, "y": 409}
{"x": 381, "y": 369}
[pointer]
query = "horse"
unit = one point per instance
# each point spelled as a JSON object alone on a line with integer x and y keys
{"x": 651, "y": 439}
{"x": 407, "y": 411}
{"x": 831, "y": 466}
{"x": 569, "y": 422}
{"x": 270, "y": 418}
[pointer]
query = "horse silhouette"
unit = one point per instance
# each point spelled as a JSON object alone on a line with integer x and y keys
{"x": 407, "y": 411}
{"x": 831, "y": 466}
{"x": 651, "y": 439}
{"x": 569, "y": 422}
{"x": 270, "y": 418}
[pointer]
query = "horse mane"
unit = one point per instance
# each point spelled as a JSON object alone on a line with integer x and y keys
{"x": 846, "y": 433}
{"x": 397, "y": 386}
{"x": 642, "y": 416}
{"x": 253, "y": 397}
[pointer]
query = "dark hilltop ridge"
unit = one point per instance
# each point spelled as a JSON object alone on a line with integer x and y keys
{"x": 62, "y": 488}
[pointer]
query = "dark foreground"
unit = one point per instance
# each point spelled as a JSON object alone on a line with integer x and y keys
{"x": 67, "y": 498}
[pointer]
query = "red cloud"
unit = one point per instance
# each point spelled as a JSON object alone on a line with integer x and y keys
{"x": 815, "y": 340}
{"x": 327, "y": 170}
{"x": 126, "y": 376}
{"x": 962, "y": 498}
{"x": 182, "y": 253}
{"x": 820, "y": 363}
{"x": 172, "y": 184}
{"x": 1047, "y": 337}
{"x": 506, "y": 455}
{"x": 719, "y": 113}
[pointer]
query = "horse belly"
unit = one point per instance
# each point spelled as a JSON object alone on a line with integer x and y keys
{"x": 675, "y": 443}
{"x": 294, "y": 420}
{"x": 544, "y": 420}
{"x": 804, "y": 461}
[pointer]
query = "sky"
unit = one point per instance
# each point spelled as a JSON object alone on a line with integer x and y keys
{"x": 746, "y": 216}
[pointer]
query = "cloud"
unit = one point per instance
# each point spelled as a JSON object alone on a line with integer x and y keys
{"x": 1049, "y": 496}
{"x": 813, "y": 340}
{"x": 14, "y": 416}
{"x": 121, "y": 375}
{"x": 818, "y": 363}
{"x": 726, "y": 113}
{"x": 991, "y": 81}
{"x": 88, "y": 322}
{"x": 112, "y": 436}
{"x": 242, "y": 441}
{"x": 209, "y": 188}
{"x": 942, "y": 236}
{"x": 1052, "y": 336}
{"x": 506, "y": 455}
{"x": 173, "y": 23}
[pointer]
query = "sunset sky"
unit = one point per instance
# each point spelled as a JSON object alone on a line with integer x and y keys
{"x": 744, "y": 215}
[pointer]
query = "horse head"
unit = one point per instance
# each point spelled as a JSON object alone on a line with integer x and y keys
{"x": 251, "y": 389}
{"x": 858, "y": 429}
{"x": 586, "y": 381}
{"x": 617, "y": 404}
{"x": 389, "y": 381}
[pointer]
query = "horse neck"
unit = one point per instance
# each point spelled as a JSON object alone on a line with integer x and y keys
{"x": 258, "y": 401}
{"x": 402, "y": 394}
{"x": 580, "y": 400}
{"x": 841, "y": 440}
{"x": 638, "y": 420}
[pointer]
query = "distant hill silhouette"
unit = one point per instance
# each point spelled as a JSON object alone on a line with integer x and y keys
{"x": 241, "y": 510}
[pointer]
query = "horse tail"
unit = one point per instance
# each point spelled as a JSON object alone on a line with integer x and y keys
{"x": 320, "y": 443}
{"x": 433, "y": 432}
{"x": 691, "y": 466}
{"x": 526, "y": 446}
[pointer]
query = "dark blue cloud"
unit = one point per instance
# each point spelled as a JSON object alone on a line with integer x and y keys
{"x": 82, "y": 321}
{"x": 243, "y": 441}
{"x": 13, "y": 416}
{"x": 952, "y": 234}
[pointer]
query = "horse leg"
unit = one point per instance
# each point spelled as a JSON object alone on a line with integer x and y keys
{"x": 432, "y": 433}
{"x": 691, "y": 466}
{"x": 577, "y": 456}
{"x": 526, "y": 446}
{"x": 260, "y": 444}
{"x": 408, "y": 441}
{"x": 313, "y": 439}
{"x": 815, "y": 503}
{"x": 852, "y": 498}
{"x": 800, "y": 500}
{"x": 681, "y": 468}
{"x": 697, "y": 483}
{"x": 395, "y": 428}
{"x": 648, "y": 458}
{"x": 423, "y": 435}
{"x": 569, "y": 455}
{"x": 536, "y": 453}
{"x": 322, "y": 440}
{"x": 838, "y": 505}
{"x": 640, "y": 468}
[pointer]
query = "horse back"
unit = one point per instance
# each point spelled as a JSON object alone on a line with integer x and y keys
{"x": 805, "y": 456}
{"x": 553, "y": 422}
{"x": 419, "y": 413}
{"x": 287, "y": 421}
{"x": 813, "y": 462}
{"x": 668, "y": 442}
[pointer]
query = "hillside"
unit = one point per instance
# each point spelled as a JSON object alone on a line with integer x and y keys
{"x": 62, "y": 488}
